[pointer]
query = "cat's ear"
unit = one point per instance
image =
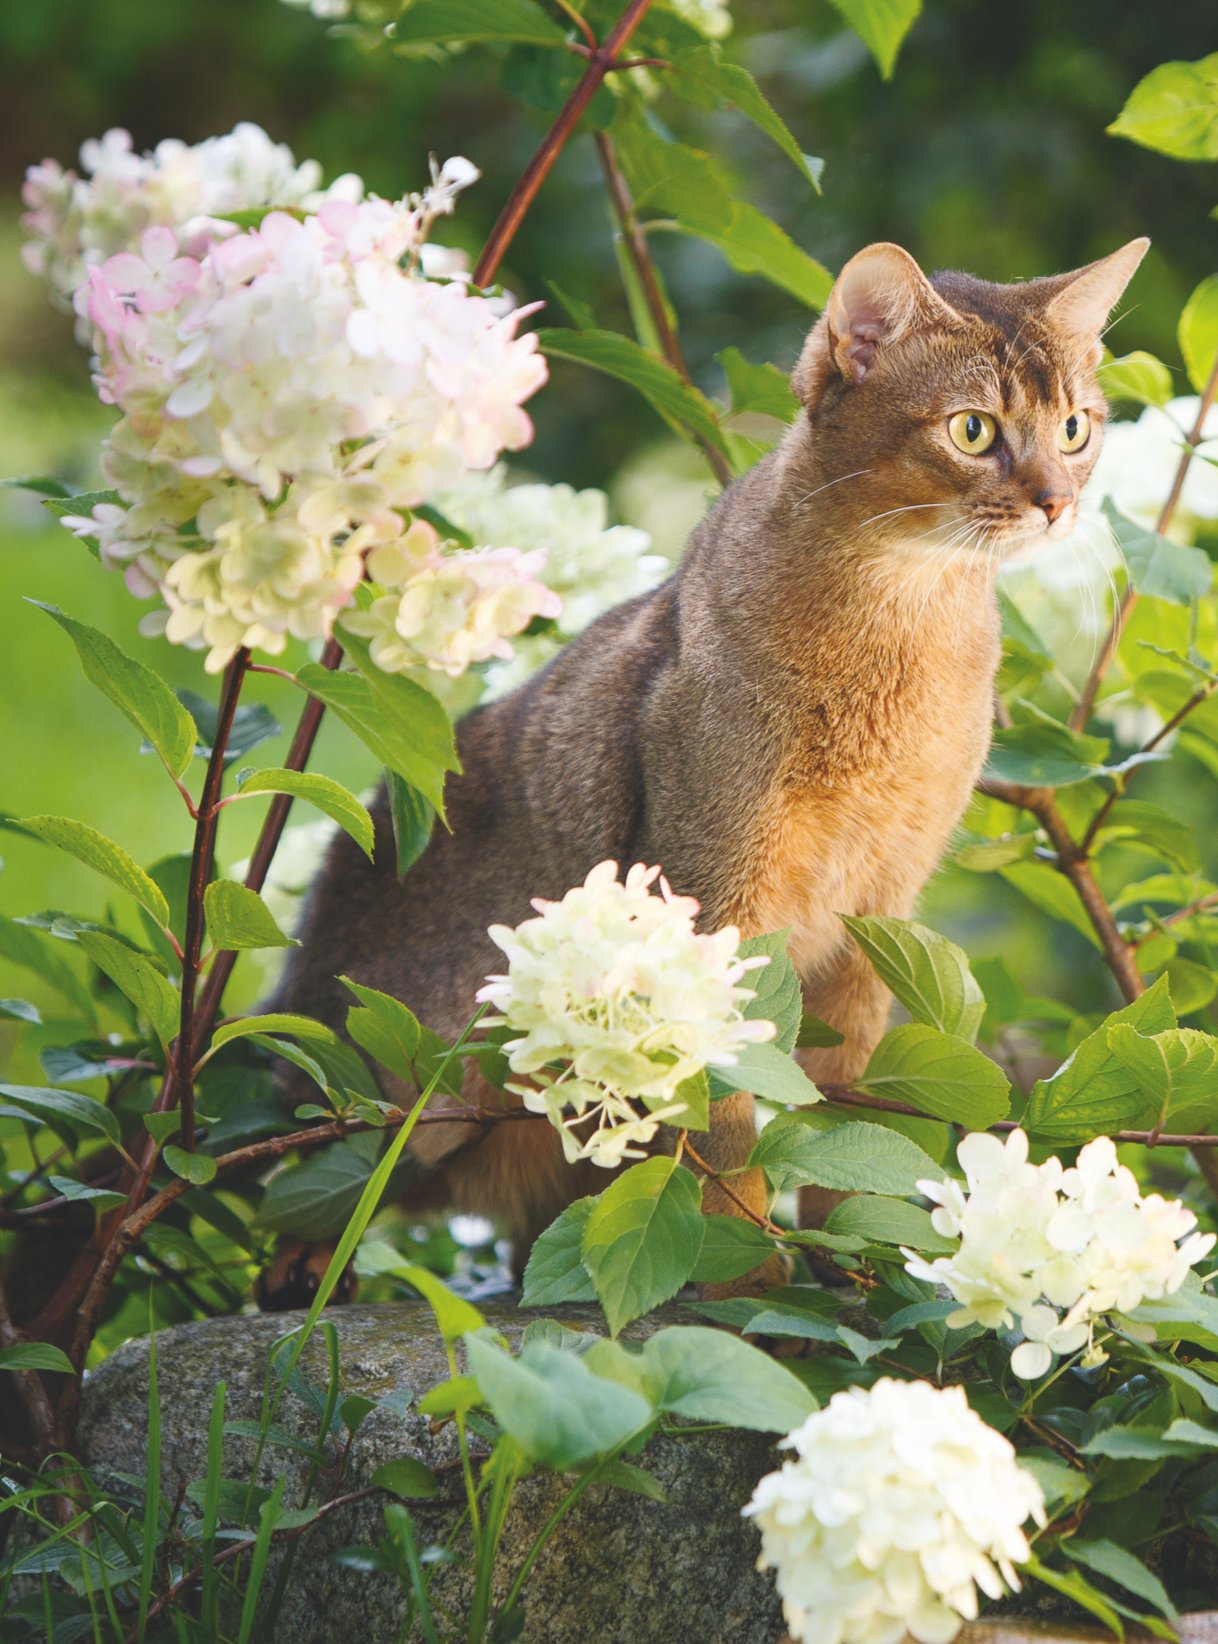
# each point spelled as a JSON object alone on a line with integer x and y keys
{"x": 1082, "y": 301}
{"x": 880, "y": 296}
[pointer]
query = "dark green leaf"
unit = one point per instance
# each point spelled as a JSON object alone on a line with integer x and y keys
{"x": 731, "y": 1247}
{"x": 443, "y": 21}
{"x": 252, "y": 724}
{"x": 929, "y": 975}
{"x": 314, "y": 1199}
{"x": 815, "y": 1034}
{"x": 642, "y": 1238}
{"x": 707, "y": 1375}
{"x": 406, "y": 1477}
{"x": 1118, "y": 1564}
{"x": 757, "y": 388}
{"x": 777, "y": 996}
{"x": 36, "y": 1355}
{"x": 850, "y": 1157}
{"x": 1071, "y": 1584}
{"x": 938, "y": 1074}
{"x": 328, "y": 796}
{"x": 64, "y": 1110}
{"x": 413, "y": 819}
{"x": 702, "y": 77}
{"x": 237, "y": 918}
{"x": 555, "y": 1271}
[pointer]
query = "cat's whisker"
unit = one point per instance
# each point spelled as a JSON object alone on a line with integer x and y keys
{"x": 909, "y": 508}
{"x": 840, "y": 480}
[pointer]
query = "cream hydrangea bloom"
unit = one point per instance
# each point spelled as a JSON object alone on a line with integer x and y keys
{"x": 900, "y": 1504}
{"x": 1053, "y": 1250}
{"x": 615, "y": 985}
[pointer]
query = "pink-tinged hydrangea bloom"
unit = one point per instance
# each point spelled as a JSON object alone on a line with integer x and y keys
{"x": 287, "y": 395}
{"x": 1053, "y": 1250}
{"x": 615, "y": 984}
{"x": 900, "y": 1503}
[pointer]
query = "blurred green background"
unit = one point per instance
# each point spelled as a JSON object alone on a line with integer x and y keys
{"x": 986, "y": 151}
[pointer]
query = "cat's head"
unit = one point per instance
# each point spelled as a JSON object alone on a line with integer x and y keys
{"x": 950, "y": 411}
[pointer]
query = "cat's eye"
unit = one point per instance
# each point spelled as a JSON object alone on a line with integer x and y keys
{"x": 972, "y": 431}
{"x": 1074, "y": 432}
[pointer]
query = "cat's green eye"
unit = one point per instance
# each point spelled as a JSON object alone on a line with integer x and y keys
{"x": 972, "y": 432}
{"x": 1074, "y": 432}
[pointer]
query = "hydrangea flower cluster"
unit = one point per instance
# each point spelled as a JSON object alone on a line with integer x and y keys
{"x": 900, "y": 1504}
{"x": 75, "y": 221}
{"x": 614, "y": 983}
{"x": 286, "y": 394}
{"x": 590, "y": 564}
{"x": 1052, "y": 1249}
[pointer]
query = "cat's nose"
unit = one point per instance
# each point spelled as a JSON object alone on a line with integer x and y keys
{"x": 1054, "y": 504}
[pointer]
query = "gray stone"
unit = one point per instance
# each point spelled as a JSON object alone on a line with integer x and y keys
{"x": 622, "y": 1567}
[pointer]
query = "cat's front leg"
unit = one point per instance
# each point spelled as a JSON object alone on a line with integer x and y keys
{"x": 726, "y": 1147}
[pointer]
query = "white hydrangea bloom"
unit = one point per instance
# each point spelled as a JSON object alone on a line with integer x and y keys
{"x": 614, "y": 983}
{"x": 76, "y": 221}
{"x": 900, "y": 1504}
{"x": 288, "y": 394}
{"x": 1139, "y": 459}
{"x": 709, "y": 17}
{"x": 590, "y": 564}
{"x": 1053, "y": 1250}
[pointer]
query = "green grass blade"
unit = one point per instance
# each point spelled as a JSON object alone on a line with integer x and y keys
{"x": 211, "y": 1512}
{"x": 262, "y": 1551}
{"x": 152, "y": 1486}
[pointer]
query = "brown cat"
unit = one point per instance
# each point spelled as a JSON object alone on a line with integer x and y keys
{"x": 791, "y": 725}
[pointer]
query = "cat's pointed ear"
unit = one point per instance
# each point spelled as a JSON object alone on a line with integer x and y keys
{"x": 1082, "y": 302}
{"x": 879, "y": 296}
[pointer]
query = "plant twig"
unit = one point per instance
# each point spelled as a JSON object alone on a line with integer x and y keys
{"x": 601, "y": 61}
{"x": 722, "y": 1182}
{"x": 840, "y": 1096}
{"x": 1091, "y": 685}
{"x": 639, "y": 252}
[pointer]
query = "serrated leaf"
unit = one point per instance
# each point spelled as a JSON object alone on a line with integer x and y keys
{"x": 135, "y": 691}
{"x": 555, "y": 1272}
{"x": 777, "y": 996}
{"x": 760, "y": 389}
{"x": 302, "y": 1027}
{"x": 881, "y": 25}
{"x": 701, "y": 76}
{"x": 731, "y": 1247}
{"x": 445, "y": 21}
{"x": 36, "y": 1355}
{"x": 1042, "y": 753}
{"x": 398, "y": 720}
{"x": 1093, "y": 1093}
{"x": 882, "y": 1220}
{"x": 1138, "y": 376}
{"x": 769, "y": 1072}
{"x": 406, "y": 1477}
{"x": 1176, "y": 1071}
{"x": 385, "y": 1028}
{"x": 939, "y": 1074}
{"x": 62, "y": 1110}
{"x": 413, "y": 819}
{"x": 852, "y": 1158}
{"x": 1159, "y": 567}
{"x": 642, "y": 1239}
{"x": 1198, "y": 330}
{"x": 238, "y": 918}
{"x": 314, "y": 1199}
{"x": 927, "y": 974}
{"x": 707, "y": 1375}
{"x": 92, "y": 848}
{"x": 138, "y": 978}
{"x": 198, "y": 1168}
{"x": 331, "y": 797}
{"x": 556, "y": 1409}
{"x": 652, "y": 376}
{"x": 1174, "y": 109}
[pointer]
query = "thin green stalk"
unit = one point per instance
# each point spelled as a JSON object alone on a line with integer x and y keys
{"x": 315, "y": 1464}
{"x": 505, "y": 1469}
{"x": 152, "y": 1484}
{"x": 401, "y": 1528}
{"x": 467, "y": 1472}
{"x": 211, "y": 1511}
{"x": 262, "y": 1550}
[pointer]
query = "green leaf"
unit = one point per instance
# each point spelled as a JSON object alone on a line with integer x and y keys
{"x": 688, "y": 190}
{"x": 237, "y": 918}
{"x": 815, "y": 1034}
{"x": 314, "y": 1199}
{"x": 413, "y": 818}
{"x": 252, "y": 723}
{"x": 385, "y": 1028}
{"x": 929, "y": 975}
{"x": 19, "y": 1010}
{"x": 135, "y": 691}
{"x": 769, "y": 1072}
{"x": 1174, "y": 109}
{"x": 302, "y": 1027}
{"x": 1052, "y": 893}
{"x": 707, "y": 1375}
{"x": 1074, "y": 1586}
{"x": 1167, "y": 835}
{"x": 136, "y": 976}
{"x": 444, "y": 21}
{"x": 1138, "y": 376}
{"x": 642, "y": 1238}
{"x": 702, "y": 77}
{"x": 329, "y": 796}
{"x": 1157, "y": 566}
{"x": 757, "y": 388}
{"x": 36, "y": 1355}
{"x": 938, "y": 1074}
{"x": 63, "y": 1110}
{"x": 556, "y": 1409}
{"x": 881, "y": 25}
{"x": 406, "y": 1477}
{"x": 655, "y": 379}
{"x": 103, "y": 856}
{"x": 1135, "y": 1444}
{"x": 42, "y": 485}
{"x": 1042, "y": 753}
{"x": 454, "y": 1315}
{"x": 32, "y": 950}
{"x": 852, "y": 1158}
{"x": 882, "y": 1220}
{"x": 1118, "y": 1564}
{"x": 398, "y": 720}
{"x": 1093, "y": 1093}
{"x": 1174, "y": 1070}
{"x": 1198, "y": 330}
{"x": 777, "y": 995}
{"x": 731, "y": 1247}
{"x": 555, "y": 1272}
{"x": 198, "y": 1168}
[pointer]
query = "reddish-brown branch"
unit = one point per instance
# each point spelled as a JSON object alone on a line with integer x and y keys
{"x": 639, "y": 252}
{"x": 601, "y": 61}
{"x": 1094, "y": 680}
{"x": 1181, "y": 714}
{"x": 722, "y": 1182}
